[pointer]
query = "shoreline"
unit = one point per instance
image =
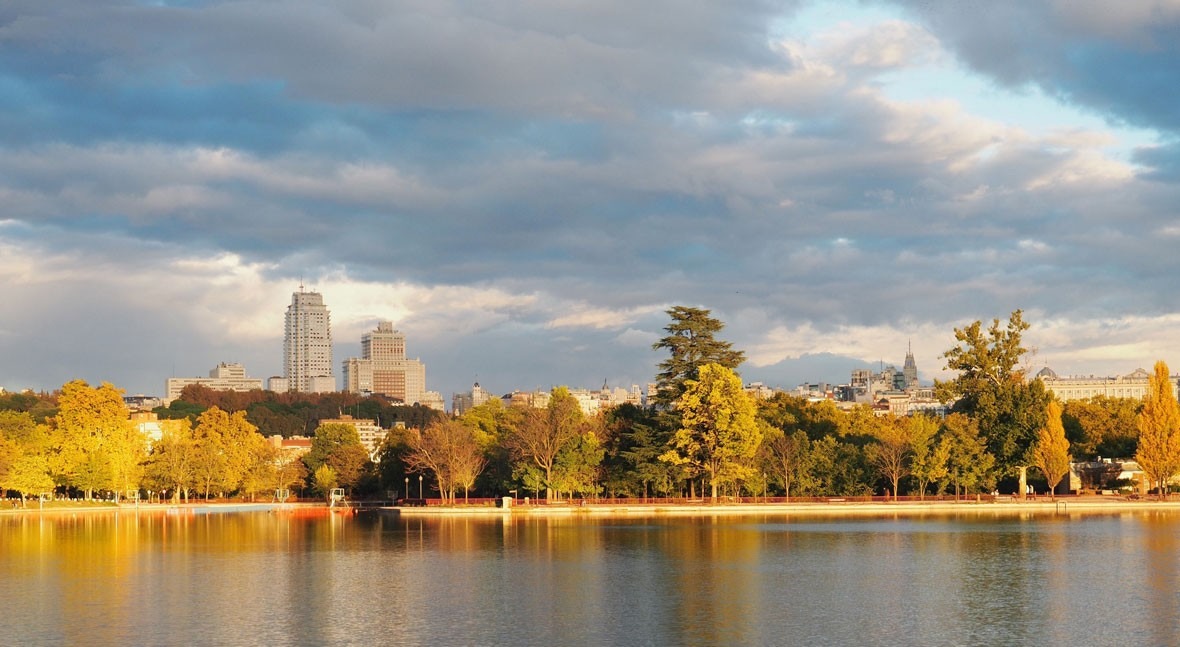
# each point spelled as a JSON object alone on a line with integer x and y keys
{"x": 1088, "y": 506}
{"x": 1058, "y": 507}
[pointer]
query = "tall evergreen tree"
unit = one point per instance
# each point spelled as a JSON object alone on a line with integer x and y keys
{"x": 691, "y": 342}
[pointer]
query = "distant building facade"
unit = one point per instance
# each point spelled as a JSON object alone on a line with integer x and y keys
{"x": 139, "y": 402}
{"x": 151, "y": 428}
{"x": 590, "y": 401}
{"x": 461, "y": 403}
{"x": 1132, "y": 385}
{"x": 307, "y": 344}
{"x": 433, "y": 400}
{"x": 224, "y": 377}
{"x": 383, "y": 368}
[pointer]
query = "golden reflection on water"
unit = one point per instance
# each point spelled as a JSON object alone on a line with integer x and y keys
{"x": 321, "y": 578}
{"x": 1162, "y": 580}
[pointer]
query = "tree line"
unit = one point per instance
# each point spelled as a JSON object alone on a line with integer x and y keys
{"x": 702, "y": 436}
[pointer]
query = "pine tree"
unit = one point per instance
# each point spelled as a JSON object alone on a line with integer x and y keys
{"x": 692, "y": 344}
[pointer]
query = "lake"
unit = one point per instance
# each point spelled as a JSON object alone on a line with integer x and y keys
{"x": 312, "y": 578}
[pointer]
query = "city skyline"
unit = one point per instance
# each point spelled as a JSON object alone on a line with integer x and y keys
{"x": 523, "y": 190}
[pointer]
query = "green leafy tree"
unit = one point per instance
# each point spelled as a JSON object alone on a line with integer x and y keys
{"x": 892, "y": 451}
{"x": 449, "y": 450}
{"x": 543, "y": 433}
{"x": 929, "y": 457}
{"x": 271, "y": 421}
{"x": 789, "y": 457}
{"x": 1050, "y": 454}
{"x": 990, "y": 387}
{"x": 839, "y": 468}
{"x": 632, "y": 462}
{"x": 339, "y": 446}
{"x": 691, "y": 342}
{"x": 576, "y": 471}
{"x": 324, "y": 480}
{"x": 1101, "y": 426}
{"x": 718, "y": 430}
{"x": 968, "y": 463}
{"x": 1159, "y": 430}
{"x": 491, "y": 423}
{"x": 391, "y": 465}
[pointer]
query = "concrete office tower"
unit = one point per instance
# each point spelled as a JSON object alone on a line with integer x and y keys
{"x": 383, "y": 368}
{"x": 307, "y": 346}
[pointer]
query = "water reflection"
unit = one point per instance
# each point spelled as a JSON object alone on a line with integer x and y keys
{"x": 319, "y": 578}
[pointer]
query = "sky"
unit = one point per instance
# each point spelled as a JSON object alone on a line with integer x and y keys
{"x": 524, "y": 188}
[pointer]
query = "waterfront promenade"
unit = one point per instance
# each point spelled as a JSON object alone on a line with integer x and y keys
{"x": 833, "y": 506}
{"x": 828, "y": 506}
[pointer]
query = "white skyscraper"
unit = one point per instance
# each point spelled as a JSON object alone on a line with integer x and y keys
{"x": 307, "y": 345}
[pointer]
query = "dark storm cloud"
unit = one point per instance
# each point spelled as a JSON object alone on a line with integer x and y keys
{"x": 1119, "y": 60}
{"x": 580, "y": 162}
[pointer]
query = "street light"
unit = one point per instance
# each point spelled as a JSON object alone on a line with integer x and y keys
{"x": 420, "y": 487}
{"x": 407, "y": 487}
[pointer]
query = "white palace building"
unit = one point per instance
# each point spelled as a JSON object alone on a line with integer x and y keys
{"x": 1132, "y": 385}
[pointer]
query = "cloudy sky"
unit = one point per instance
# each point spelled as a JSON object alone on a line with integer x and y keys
{"x": 525, "y": 187}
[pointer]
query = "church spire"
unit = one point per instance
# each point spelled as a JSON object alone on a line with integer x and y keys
{"x": 910, "y": 370}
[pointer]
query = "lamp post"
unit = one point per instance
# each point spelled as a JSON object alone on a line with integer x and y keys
{"x": 407, "y": 487}
{"x": 420, "y": 487}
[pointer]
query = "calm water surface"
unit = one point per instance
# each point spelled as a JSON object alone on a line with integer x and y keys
{"x": 378, "y": 579}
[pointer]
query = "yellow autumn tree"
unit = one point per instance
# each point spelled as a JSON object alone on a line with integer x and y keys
{"x": 1159, "y": 430}
{"x": 221, "y": 456}
{"x": 1050, "y": 452}
{"x": 718, "y": 428}
{"x": 97, "y": 447}
{"x": 171, "y": 465}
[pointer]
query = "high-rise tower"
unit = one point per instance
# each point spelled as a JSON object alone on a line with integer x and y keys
{"x": 910, "y": 370}
{"x": 383, "y": 367}
{"x": 307, "y": 345}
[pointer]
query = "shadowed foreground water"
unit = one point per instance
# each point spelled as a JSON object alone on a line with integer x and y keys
{"x": 378, "y": 579}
